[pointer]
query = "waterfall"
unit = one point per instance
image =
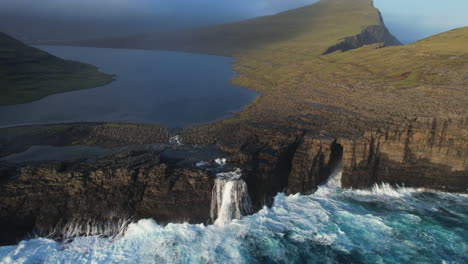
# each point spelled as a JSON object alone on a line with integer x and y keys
{"x": 230, "y": 198}
{"x": 176, "y": 140}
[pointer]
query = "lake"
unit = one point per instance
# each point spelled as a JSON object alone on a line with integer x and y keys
{"x": 173, "y": 89}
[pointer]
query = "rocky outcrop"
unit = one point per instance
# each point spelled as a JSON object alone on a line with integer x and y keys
{"x": 96, "y": 197}
{"x": 369, "y": 35}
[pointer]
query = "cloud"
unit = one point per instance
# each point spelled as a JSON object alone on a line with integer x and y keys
{"x": 105, "y": 8}
{"x": 81, "y": 19}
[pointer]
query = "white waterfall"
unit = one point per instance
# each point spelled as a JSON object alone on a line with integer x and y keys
{"x": 176, "y": 140}
{"x": 230, "y": 198}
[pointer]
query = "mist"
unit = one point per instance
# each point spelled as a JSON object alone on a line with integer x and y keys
{"x": 45, "y": 20}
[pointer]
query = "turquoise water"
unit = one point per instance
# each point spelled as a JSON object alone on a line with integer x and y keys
{"x": 333, "y": 226}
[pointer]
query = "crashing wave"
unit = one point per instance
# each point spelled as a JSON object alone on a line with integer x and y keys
{"x": 333, "y": 229}
{"x": 332, "y": 185}
{"x": 386, "y": 189}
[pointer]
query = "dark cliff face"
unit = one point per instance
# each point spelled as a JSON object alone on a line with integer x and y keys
{"x": 314, "y": 161}
{"x": 48, "y": 198}
{"x": 427, "y": 153}
{"x": 369, "y": 35}
{"x": 422, "y": 153}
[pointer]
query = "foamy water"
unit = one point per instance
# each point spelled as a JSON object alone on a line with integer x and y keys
{"x": 383, "y": 225}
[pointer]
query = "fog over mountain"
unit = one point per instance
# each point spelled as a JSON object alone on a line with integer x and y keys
{"x": 33, "y": 20}
{"x": 71, "y": 19}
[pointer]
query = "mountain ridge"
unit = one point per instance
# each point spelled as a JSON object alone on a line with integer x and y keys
{"x": 233, "y": 39}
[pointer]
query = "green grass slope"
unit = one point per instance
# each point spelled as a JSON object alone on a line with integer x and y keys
{"x": 313, "y": 28}
{"x": 282, "y": 56}
{"x": 28, "y": 74}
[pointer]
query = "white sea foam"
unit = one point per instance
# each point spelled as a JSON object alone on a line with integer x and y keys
{"x": 339, "y": 226}
{"x": 385, "y": 189}
{"x": 332, "y": 185}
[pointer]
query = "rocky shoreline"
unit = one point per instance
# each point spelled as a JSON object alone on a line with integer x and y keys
{"x": 393, "y": 115}
{"x": 45, "y": 197}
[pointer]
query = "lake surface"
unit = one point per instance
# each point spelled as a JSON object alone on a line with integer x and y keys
{"x": 173, "y": 89}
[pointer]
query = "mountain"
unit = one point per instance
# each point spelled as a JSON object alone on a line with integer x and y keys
{"x": 313, "y": 28}
{"x": 336, "y": 95}
{"x": 28, "y": 74}
{"x": 332, "y": 74}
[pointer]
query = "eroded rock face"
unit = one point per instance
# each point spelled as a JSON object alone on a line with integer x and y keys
{"x": 145, "y": 184}
{"x": 314, "y": 161}
{"x": 369, "y": 35}
{"x": 49, "y": 197}
{"x": 423, "y": 153}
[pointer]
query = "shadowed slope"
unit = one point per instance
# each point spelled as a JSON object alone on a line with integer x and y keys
{"x": 28, "y": 74}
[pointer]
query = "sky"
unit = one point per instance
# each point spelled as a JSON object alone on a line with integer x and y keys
{"x": 411, "y": 20}
{"x": 33, "y": 20}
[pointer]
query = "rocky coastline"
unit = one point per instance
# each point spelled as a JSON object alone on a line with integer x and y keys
{"x": 333, "y": 112}
{"x": 45, "y": 198}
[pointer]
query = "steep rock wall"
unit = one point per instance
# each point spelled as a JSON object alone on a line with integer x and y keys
{"x": 369, "y": 35}
{"x": 47, "y": 198}
{"x": 423, "y": 153}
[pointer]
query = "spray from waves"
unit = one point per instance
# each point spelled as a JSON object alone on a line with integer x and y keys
{"x": 332, "y": 185}
{"x": 336, "y": 226}
{"x": 385, "y": 189}
{"x": 230, "y": 198}
{"x": 81, "y": 227}
{"x": 297, "y": 229}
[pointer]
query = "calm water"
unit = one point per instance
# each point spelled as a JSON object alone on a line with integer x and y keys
{"x": 173, "y": 89}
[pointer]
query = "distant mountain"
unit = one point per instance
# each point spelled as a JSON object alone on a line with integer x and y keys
{"x": 28, "y": 74}
{"x": 314, "y": 27}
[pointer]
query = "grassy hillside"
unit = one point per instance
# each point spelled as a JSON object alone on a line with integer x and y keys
{"x": 308, "y": 29}
{"x": 282, "y": 56}
{"x": 28, "y": 74}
